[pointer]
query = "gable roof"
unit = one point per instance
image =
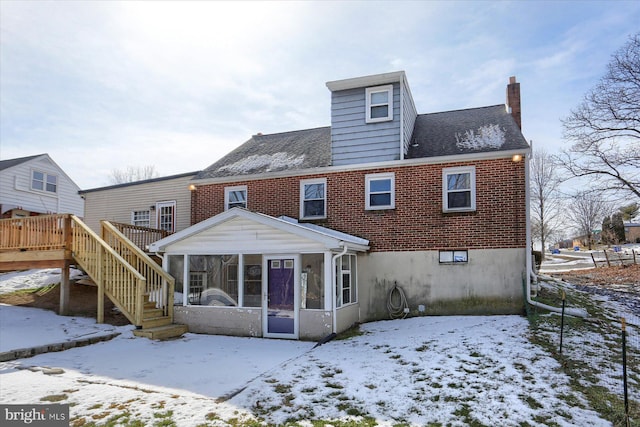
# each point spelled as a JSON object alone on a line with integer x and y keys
{"x": 9, "y": 163}
{"x": 330, "y": 238}
{"x": 474, "y": 130}
{"x": 302, "y": 149}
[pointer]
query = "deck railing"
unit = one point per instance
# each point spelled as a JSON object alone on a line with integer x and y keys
{"x": 159, "y": 284}
{"x": 142, "y": 237}
{"x": 120, "y": 269}
{"x": 110, "y": 271}
{"x": 34, "y": 233}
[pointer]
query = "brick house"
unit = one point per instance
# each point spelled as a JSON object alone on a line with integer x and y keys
{"x": 385, "y": 213}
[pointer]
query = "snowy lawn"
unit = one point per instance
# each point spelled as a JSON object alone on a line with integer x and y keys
{"x": 438, "y": 370}
{"x": 435, "y": 371}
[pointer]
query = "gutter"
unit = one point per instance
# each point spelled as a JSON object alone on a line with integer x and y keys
{"x": 334, "y": 283}
{"x": 577, "y": 312}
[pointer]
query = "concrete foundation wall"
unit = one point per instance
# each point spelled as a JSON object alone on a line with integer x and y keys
{"x": 247, "y": 322}
{"x": 347, "y": 316}
{"x": 489, "y": 283}
{"x": 242, "y": 322}
{"x": 315, "y": 324}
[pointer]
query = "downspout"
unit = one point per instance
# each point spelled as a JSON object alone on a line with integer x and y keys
{"x": 577, "y": 312}
{"x": 334, "y": 284}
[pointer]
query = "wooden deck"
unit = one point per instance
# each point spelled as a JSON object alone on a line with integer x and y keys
{"x": 121, "y": 270}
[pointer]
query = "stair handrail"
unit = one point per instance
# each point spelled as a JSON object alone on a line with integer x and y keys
{"x": 141, "y": 236}
{"x": 112, "y": 274}
{"x": 160, "y": 285}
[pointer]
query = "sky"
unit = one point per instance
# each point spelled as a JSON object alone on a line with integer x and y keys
{"x": 453, "y": 370}
{"x": 104, "y": 85}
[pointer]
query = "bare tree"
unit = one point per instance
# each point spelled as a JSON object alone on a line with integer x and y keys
{"x": 133, "y": 173}
{"x": 605, "y": 128}
{"x": 544, "y": 199}
{"x": 586, "y": 210}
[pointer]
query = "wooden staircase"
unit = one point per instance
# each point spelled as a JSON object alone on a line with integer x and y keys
{"x": 122, "y": 271}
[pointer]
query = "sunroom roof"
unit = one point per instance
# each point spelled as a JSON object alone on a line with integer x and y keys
{"x": 330, "y": 239}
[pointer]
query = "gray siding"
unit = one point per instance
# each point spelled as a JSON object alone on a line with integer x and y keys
{"x": 117, "y": 204}
{"x": 353, "y": 140}
{"x": 409, "y": 115}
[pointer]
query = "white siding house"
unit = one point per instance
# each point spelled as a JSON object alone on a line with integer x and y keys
{"x": 36, "y": 185}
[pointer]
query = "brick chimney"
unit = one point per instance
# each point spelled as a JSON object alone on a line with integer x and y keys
{"x": 513, "y": 100}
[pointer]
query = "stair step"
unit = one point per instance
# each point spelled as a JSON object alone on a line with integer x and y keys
{"x": 148, "y": 313}
{"x": 162, "y": 332}
{"x": 155, "y": 321}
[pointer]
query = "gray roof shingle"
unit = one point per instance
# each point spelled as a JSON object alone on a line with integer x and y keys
{"x": 473, "y": 130}
{"x": 302, "y": 149}
{"x": 467, "y": 131}
{"x": 9, "y": 163}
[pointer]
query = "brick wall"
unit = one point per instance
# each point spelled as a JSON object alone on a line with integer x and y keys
{"x": 416, "y": 223}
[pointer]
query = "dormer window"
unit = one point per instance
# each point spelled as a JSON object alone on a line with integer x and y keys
{"x": 379, "y": 103}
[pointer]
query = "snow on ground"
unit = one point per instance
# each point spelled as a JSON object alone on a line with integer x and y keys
{"x": 32, "y": 279}
{"x": 453, "y": 370}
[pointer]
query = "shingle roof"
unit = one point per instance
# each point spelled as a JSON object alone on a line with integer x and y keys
{"x": 467, "y": 131}
{"x": 9, "y": 163}
{"x": 302, "y": 149}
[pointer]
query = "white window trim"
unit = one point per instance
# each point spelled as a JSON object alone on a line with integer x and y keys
{"x": 353, "y": 280}
{"x": 302, "y": 199}
{"x": 228, "y": 190}
{"x": 45, "y": 175}
{"x": 371, "y": 90}
{"x": 375, "y": 177}
{"x": 159, "y": 206}
{"x": 133, "y": 217}
{"x": 449, "y": 256}
{"x": 471, "y": 170}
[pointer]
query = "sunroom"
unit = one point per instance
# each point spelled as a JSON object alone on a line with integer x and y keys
{"x": 248, "y": 274}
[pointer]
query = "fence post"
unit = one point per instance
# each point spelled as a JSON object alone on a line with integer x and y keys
{"x": 624, "y": 370}
{"x": 562, "y": 321}
{"x": 606, "y": 257}
{"x": 594, "y": 260}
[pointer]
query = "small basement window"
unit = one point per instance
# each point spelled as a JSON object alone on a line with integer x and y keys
{"x": 454, "y": 257}
{"x": 379, "y": 101}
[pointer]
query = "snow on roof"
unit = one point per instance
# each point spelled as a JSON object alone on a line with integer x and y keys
{"x": 266, "y": 162}
{"x": 488, "y": 136}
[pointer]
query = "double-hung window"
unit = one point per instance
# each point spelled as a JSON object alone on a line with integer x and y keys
{"x": 346, "y": 280}
{"x": 42, "y": 181}
{"x": 379, "y": 102}
{"x": 380, "y": 191}
{"x": 459, "y": 189}
{"x": 235, "y": 197}
{"x": 313, "y": 198}
{"x": 141, "y": 218}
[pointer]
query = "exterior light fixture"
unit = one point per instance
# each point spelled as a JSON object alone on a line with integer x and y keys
{"x": 192, "y": 187}
{"x": 516, "y": 157}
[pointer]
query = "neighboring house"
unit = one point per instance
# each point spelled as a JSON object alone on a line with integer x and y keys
{"x": 36, "y": 185}
{"x": 162, "y": 203}
{"x": 302, "y": 234}
{"x": 632, "y": 232}
{"x": 583, "y": 240}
